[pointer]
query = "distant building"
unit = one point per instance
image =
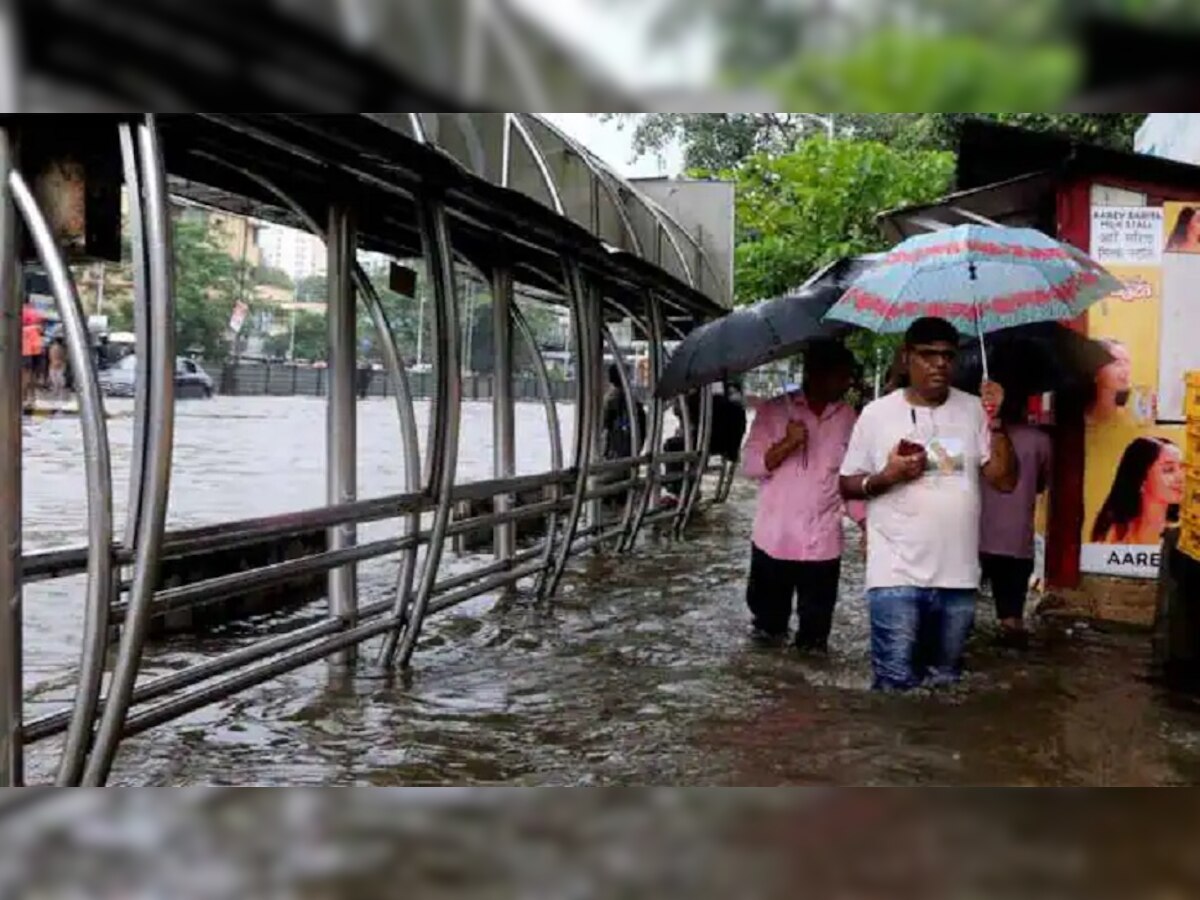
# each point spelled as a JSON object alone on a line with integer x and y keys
{"x": 298, "y": 253}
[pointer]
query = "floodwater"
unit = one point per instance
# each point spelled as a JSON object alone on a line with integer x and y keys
{"x": 638, "y": 672}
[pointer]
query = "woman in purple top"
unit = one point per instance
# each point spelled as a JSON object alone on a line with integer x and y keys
{"x": 1006, "y": 534}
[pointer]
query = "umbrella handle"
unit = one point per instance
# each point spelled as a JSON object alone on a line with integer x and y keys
{"x": 983, "y": 355}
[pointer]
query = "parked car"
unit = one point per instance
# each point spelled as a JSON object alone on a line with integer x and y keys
{"x": 190, "y": 378}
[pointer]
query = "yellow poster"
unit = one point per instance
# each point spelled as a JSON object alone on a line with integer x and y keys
{"x": 1134, "y": 475}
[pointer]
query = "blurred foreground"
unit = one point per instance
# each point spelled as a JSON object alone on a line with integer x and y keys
{"x": 485, "y": 843}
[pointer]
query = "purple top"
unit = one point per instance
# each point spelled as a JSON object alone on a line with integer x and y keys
{"x": 1006, "y": 522}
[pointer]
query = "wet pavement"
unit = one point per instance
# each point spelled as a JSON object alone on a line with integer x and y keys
{"x": 639, "y": 672}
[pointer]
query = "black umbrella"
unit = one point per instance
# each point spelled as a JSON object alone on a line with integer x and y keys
{"x": 1033, "y": 359}
{"x": 756, "y": 335}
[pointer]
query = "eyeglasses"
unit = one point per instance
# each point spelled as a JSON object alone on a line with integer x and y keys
{"x": 929, "y": 355}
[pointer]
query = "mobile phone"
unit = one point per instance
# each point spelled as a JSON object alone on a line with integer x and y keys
{"x": 910, "y": 448}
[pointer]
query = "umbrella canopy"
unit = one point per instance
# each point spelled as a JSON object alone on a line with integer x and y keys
{"x": 980, "y": 278}
{"x": 756, "y": 335}
{"x": 1033, "y": 359}
{"x": 31, "y": 316}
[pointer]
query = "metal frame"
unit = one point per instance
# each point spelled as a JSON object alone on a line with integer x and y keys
{"x": 98, "y": 476}
{"x": 504, "y": 449}
{"x": 341, "y": 438}
{"x": 153, "y": 510}
{"x": 402, "y": 639}
{"x": 585, "y": 426}
{"x": 96, "y": 721}
{"x": 11, "y": 402}
{"x": 657, "y": 416}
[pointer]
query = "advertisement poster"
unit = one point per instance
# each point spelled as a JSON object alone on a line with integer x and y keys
{"x": 1179, "y": 348}
{"x": 1134, "y": 475}
{"x": 1127, "y": 235}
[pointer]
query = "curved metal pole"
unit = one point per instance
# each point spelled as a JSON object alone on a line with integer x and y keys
{"x": 585, "y": 409}
{"x": 657, "y": 413}
{"x": 141, "y": 326}
{"x": 552, "y": 423}
{"x": 436, "y": 234}
{"x": 408, "y": 429}
{"x": 540, "y": 162}
{"x": 703, "y": 440}
{"x": 12, "y": 706}
{"x": 689, "y": 444}
{"x": 98, "y": 475}
{"x": 635, "y": 430}
{"x": 397, "y": 375}
{"x": 158, "y": 461}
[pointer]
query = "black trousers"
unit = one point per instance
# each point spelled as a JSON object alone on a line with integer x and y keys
{"x": 1009, "y": 578}
{"x": 774, "y": 582}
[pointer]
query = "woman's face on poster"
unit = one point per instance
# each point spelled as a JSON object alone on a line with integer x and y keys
{"x": 1117, "y": 376}
{"x": 1164, "y": 484}
{"x": 1193, "y": 232}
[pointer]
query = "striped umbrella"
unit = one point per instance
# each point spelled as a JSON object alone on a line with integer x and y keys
{"x": 981, "y": 278}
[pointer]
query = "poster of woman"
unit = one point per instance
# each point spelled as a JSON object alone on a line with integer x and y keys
{"x": 1144, "y": 498}
{"x": 1183, "y": 228}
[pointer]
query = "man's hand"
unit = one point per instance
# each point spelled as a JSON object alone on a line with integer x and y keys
{"x": 793, "y": 441}
{"x": 797, "y": 435}
{"x": 902, "y": 468}
{"x": 992, "y": 396}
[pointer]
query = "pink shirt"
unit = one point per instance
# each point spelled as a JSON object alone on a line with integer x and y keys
{"x": 800, "y": 507}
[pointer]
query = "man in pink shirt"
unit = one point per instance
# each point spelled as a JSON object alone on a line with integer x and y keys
{"x": 795, "y": 451}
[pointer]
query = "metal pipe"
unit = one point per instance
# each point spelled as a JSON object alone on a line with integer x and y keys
{"x": 158, "y": 460}
{"x": 397, "y": 373}
{"x": 595, "y": 322}
{"x": 504, "y": 451}
{"x": 340, "y": 428}
{"x": 635, "y": 430}
{"x": 408, "y": 426}
{"x": 439, "y": 251}
{"x": 657, "y": 414}
{"x": 221, "y": 586}
{"x": 585, "y": 414}
{"x": 704, "y": 439}
{"x": 552, "y": 423}
{"x": 98, "y": 477}
{"x": 11, "y": 402}
{"x": 141, "y": 330}
{"x": 53, "y": 723}
{"x": 505, "y": 578}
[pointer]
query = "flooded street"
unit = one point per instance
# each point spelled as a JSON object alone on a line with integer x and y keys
{"x": 638, "y": 672}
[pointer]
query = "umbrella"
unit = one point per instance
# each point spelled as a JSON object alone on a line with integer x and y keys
{"x": 1033, "y": 359}
{"x": 31, "y": 316}
{"x": 981, "y": 278}
{"x": 755, "y": 335}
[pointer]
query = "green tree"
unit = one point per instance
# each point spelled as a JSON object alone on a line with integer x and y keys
{"x": 208, "y": 283}
{"x": 270, "y": 276}
{"x": 312, "y": 289}
{"x": 805, "y": 209}
{"x": 311, "y": 338}
{"x": 802, "y": 210}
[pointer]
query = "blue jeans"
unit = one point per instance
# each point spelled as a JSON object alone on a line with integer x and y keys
{"x": 918, "y": 634}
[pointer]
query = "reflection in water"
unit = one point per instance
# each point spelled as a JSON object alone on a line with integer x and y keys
{"x": 640, "y": 672}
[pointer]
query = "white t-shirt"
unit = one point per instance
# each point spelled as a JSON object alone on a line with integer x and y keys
{"x": 924, "y": 533}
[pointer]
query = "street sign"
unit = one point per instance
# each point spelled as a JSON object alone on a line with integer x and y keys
{"x": 238, "y": 319}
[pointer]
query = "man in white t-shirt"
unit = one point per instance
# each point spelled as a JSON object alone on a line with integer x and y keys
{"x": 916, "y": 457}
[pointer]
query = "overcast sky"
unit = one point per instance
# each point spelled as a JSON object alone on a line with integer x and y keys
{"x": 614, "y": 145}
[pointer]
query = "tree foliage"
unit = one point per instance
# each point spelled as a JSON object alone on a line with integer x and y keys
{"x": 804, "y": 209}
{"x": 715, "y": 141}
{"x": 312, "y": 289}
